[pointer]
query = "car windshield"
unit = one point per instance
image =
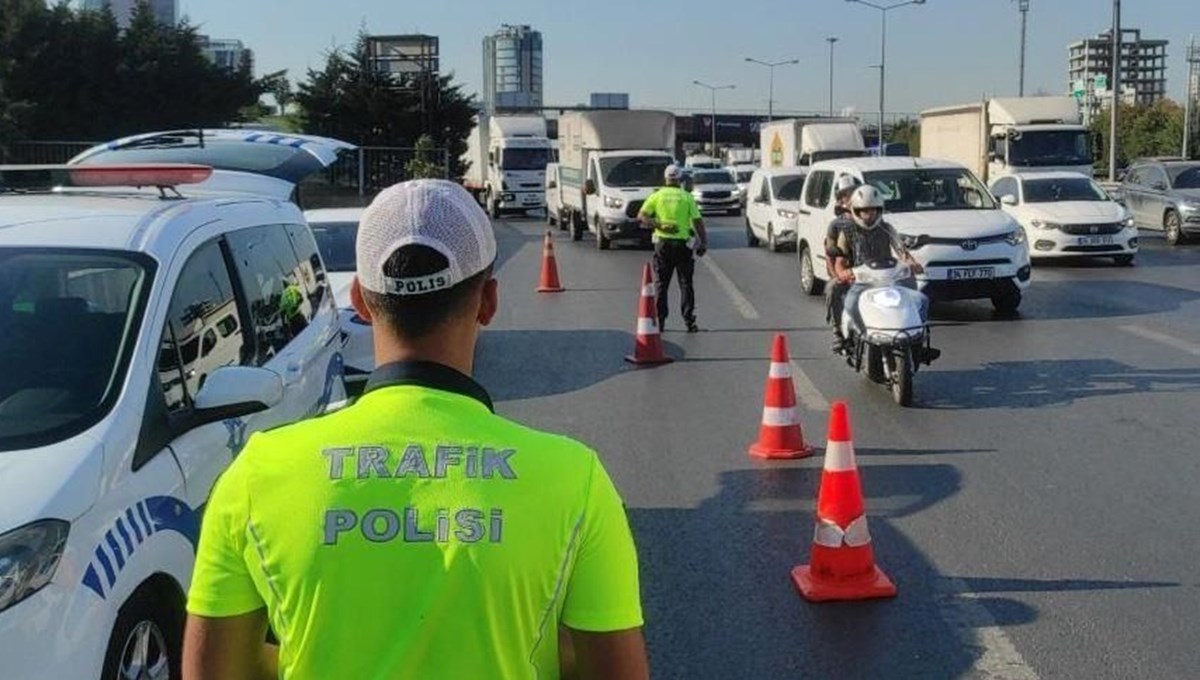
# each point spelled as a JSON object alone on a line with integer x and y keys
{"x": 1044, "y": 148}
{"x": 68, "y": 320}
{"x": 634, "y": 171}
{"x": 1186, "y": 177}
{"x": 787, "y": 187}
{"x": 712, "y": 177}
{"x": 1063, "y": 189}
{"x": 921, "y": 190}
{"x": 335, "y": 240}
{"x": 525, "y": 159}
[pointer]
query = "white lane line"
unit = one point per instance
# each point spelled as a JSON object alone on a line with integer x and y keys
{"x": 998, "y": 658}
{"x": 1168, "y": 340}
{"x": 740, "y": 302}
{"x": 806, "y": 392}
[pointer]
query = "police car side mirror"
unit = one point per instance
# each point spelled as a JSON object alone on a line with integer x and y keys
{"x": 236, "y": 391}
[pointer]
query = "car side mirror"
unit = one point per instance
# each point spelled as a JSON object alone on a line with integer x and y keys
{"x": 1008, "y": 199}
{"x": 1159, "y": 186}
{"x": 992, "y": 156}
{"x": 589, "y": 187}
{"x": 552, "y": 184}
{"x": 236, "y": 391}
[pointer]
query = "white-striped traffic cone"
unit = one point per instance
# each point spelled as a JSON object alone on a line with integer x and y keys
{"x": 779, "y": 435}
{"x": 647, "y": 348}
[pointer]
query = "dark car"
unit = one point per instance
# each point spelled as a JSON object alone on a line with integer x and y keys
{"x": 1165, "y": 195}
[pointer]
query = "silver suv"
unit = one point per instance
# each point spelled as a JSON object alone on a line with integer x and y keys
{"x": 1164, "y": 195}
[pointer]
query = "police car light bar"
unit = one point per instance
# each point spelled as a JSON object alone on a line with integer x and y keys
{"x": 44, "y": 177}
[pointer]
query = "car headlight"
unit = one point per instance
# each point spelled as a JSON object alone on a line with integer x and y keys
{"x": 1015, "y": 238}
{"x": 29, "y": 557}
{"x": 1128, "y": 222}
{"x": 1042, "y": 224}
{"x": 786, "y": 214}
{"x": 613, "y": 202}
{"x": 912, "y": 242}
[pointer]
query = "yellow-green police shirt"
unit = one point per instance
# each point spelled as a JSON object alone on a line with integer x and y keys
{"x": 672, "y": 205}
{"x": 417, "y": 534}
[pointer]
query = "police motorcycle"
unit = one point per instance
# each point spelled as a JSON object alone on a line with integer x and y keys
{"x": 886, "y": 331}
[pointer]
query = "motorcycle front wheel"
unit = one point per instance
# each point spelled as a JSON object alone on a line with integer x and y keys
{"x": 903, "y": 369}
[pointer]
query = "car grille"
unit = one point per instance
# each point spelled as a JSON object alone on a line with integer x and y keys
{"x": 715, "y": 194}
{"x": 1094, "y": 249}
{"x": 1089, "y": 229}
{"x": 632, "y": 208}
{"x": 968, "y": 263}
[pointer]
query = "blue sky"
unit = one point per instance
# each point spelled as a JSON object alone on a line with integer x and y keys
{"x": 944, "y": 52}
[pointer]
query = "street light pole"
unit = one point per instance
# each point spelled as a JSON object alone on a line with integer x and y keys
{"x": 1023, "y": 6}
{"x": 883, "y": 10}
{"x": 831, "y": 40}
{"x": 771, "y": 86}
{"x": 713, "y": 123}
{"x": 1116, "y": 91}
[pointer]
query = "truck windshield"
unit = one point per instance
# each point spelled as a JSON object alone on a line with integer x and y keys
{"x": 818, "y": 156}
{"x": 922, "y": 190}
{"x": 68, "y": 320}
{"x": 634, "y": 171}
{"x": 1063, "y": 189}
{"x": 787, "y": 187}
{"x": 525, "y": 159}
{"x": 1042, "y": 148}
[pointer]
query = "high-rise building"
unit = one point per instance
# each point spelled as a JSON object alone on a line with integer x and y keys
{"x": 166, "y": 11}
{"x": 512, "y": 69}
{"x": 226, "y": 53}
{"x": 1143, "y": 70}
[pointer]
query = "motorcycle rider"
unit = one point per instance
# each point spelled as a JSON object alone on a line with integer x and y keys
{"x": 871, "y": 238}
{"x": 835, "y": 292}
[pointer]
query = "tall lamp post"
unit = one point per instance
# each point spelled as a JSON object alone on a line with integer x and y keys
{"x": 771, "y": 87}
{"x": 713, "y": 90}
{"x": 883, "y": 12}
{"x": 1115, "y": 84}
{"x": 832, "y": 40}
{"x": 1023, "y": 6}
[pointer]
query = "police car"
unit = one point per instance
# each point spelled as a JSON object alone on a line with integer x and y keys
{"x": 144, "y": 334}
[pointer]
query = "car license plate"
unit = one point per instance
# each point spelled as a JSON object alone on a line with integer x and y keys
{"x": 964, "y": 273}
{"x": 1095, "y": 240}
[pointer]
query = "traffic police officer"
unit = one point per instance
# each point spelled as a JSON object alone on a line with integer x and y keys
{"x": 675, "y": 218}
{"x": 416, "y": 534}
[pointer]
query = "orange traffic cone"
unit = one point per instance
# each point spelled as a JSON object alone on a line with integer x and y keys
{"x": 843, "y": 562}
{"x": 647, "y": 348}
{"x": 549, "y": 280}
{"x": 780, "y": 435}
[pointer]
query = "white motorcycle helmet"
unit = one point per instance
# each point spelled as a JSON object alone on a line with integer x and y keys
{"x": 866, "y": 196}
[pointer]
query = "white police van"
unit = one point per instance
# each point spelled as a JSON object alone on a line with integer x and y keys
{"x": 143, "y": 335}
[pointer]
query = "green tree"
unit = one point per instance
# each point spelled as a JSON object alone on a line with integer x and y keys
{"x": 424, "y": 164}
{"x": 1155, "y": 130}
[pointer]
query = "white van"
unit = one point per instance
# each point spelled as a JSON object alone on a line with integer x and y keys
{"x": 773, "y": 205}
{"x": 143, "y": 336}
{"x": 969, "y": 247}
{"x": 554, "y": 202}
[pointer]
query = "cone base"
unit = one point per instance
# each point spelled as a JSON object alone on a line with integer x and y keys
{"x": 648, "y": 362}
{"x": 814, "y": 590}
{"x": 770, "y": 453}
{"x": 548, "y": 289}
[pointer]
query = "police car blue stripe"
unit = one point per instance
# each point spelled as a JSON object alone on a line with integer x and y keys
{"x": 116, "y": 549}
{"x": 253, "y": 137}
{"x": 92, "y": 581}
{"x": 124, "y": 536}
{"x": 137, "y": 532}
{"x": 297, "y": 144}
{"x": 141, "y": 508}
{"x": 106, "y": 565}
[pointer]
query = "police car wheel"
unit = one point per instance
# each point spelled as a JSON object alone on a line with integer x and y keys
{"x": 146, "y": 641}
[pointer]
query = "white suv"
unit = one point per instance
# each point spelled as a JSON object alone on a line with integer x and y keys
{"x": 949, "y": 221}
{"x": 143, "y": 337}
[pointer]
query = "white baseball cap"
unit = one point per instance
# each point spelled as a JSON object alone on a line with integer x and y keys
{"x": 672, "y": 173}
{"x": 435, "y": 213}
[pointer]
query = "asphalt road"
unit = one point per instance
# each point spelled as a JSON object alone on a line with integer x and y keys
{"x": 1037, "y": 508}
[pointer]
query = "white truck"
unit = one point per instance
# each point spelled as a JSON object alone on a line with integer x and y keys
{"x": 507, "y": 157}
{"x": 800, "y": 142}
{"x": 610, "y": 161}
{"x": 1009, "y": 136}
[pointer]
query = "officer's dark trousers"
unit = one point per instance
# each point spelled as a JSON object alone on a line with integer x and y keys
{"x": 671, "y": 256}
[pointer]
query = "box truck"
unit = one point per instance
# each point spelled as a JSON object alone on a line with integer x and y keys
{"x": 609, "y": 163}
{"x": 507, "y": 157}
{"x": 1009, "y": 135}
{"x": 804, "y": 141}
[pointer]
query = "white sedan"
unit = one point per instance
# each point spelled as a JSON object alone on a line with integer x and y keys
{"x": 1066, "y": 214}
{"x": 335, "y": 230}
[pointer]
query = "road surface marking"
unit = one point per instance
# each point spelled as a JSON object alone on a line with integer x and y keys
{"x": 808, "y": 394}
{"x": 998, "y": 658}
{"x": 1168, "y": 340}
{"x": 740, "y": 302}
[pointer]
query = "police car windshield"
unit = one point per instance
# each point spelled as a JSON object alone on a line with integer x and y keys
{"x": 335, "y": 240}
{"x": 634, "y": 171}
{"x": 925, "y": 190}
{"x": 712, "y": 177}
{"x": 68, "y": 320}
